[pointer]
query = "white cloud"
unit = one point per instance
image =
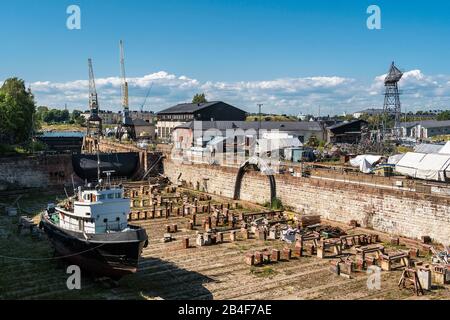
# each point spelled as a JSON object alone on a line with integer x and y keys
{"x": 333, "y": 94}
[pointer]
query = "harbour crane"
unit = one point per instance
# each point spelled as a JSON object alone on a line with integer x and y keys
{"x": 127, "y": 122}
{"x": 94, "y": 123}
{"x": 146, "y": 97}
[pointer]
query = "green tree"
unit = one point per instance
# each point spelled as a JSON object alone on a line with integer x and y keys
{"x": 76, "y": 117}
{"x": 17, "y": 109}
{"x": 444, "y": 115}
{"x": 199, "y": 98}
{"x": 56, "y": 116}
{"x": 313, "y": 142}
{"x": 40, "y": 112}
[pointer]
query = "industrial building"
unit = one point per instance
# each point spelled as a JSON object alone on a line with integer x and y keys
{"x": 346, "y": 132}
{"x": 180, "y": 114}
{"x": 196, "y": 132}
{"x": 424, "y": 129}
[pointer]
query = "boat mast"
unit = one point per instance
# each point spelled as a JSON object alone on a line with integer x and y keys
{"x": 98, "y": 167}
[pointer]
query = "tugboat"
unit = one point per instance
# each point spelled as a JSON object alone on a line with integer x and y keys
{"x": 91, "y": 230}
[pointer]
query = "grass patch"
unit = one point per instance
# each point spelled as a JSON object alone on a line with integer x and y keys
{"x": 403, "y": 149}
{"x": 264, "y": 272}
{"x": 6, "y": 149}
{"x": 388, "y": 245}
{"x": 21, "y": 149}
{"x": 62, "y": 127}
{"x": 242, "y": 247}
{"x": 275, "y": 204}
{"x": 439, "y": 138}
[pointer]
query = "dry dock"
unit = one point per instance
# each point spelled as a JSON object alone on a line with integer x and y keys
{"x": 169, "y": 271}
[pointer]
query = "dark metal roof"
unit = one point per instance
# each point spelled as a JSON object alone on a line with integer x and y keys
{"x": 140, "y": 122}
{"x": 342, "y": 124}
{"x": 245, "y": 125}
{"x": 188, "y": 107}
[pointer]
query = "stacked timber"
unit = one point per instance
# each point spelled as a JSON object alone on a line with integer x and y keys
{"x": 309, "y": 220}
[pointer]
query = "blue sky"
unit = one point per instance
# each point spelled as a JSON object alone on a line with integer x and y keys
{"x": 290, "y": 55}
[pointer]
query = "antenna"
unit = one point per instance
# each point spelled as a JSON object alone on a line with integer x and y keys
{"x": 98, "y": 167}
{"x": 73, "y": 185}
{"x": 108, "y": 174}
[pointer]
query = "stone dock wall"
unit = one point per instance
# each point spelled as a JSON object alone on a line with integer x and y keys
{"x": 403, "y": 212}
{"x": 35, "y": 172}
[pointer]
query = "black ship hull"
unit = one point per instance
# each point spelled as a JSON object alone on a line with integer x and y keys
{"x": 112, "y": 255}
{"x": 122, "y": 165}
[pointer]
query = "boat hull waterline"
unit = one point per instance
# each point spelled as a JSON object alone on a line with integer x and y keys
{"x": 112, "y": 255}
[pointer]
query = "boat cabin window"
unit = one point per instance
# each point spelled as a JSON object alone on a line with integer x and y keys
{"x": 111, "y": 196}
{"x": 101, "y": 197}
{"x": 86, "y": 197}
{"x": 118, "y": 195}
{"x": 105, "y": 220}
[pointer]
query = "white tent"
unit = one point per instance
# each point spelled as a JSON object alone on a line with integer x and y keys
{"x": 395, "y": 158}
{"x": 409, "y": 163}
{"x": 431, "y": 166}
{"x": 428, "y": 148}
{"x": 265, "y": 145}
{"x": 446, "y": 148}
{"x": 364, "y": 162}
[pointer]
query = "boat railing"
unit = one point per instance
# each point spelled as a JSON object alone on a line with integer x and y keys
{"x": 112, "y": 180}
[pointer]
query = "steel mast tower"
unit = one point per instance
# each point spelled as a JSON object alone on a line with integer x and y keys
{"x": 94, "y": 122}
{"x": 392, "y": 100}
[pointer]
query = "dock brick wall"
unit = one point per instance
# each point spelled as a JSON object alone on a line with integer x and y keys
{"x": 399, "y": 212}
{"x": 35, "y": 172}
